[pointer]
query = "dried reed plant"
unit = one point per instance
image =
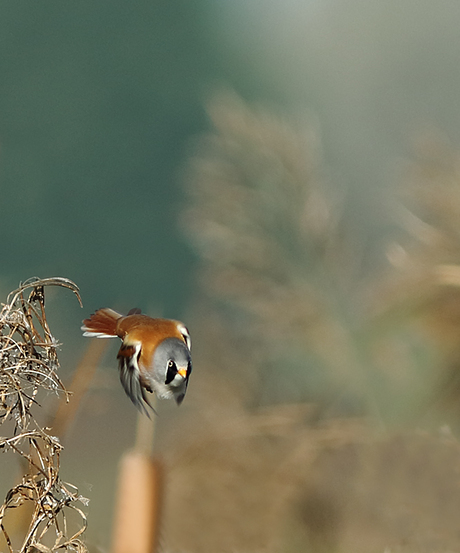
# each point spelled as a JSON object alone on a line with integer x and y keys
{"x": 28, "y": 366}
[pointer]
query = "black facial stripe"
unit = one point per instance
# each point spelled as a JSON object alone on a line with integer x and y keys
{"x": 171, "y": 372}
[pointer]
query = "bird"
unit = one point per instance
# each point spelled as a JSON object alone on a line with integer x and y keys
{"x": 155, "y": 354}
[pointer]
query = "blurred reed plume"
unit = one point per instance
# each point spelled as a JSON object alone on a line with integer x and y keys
{"x": 302, "y": 346}
{"x": 279, "y": 263}
{"x": 39, "y": 513}
{"x": 289, "y": 280}
{"x": 427, "y": 261}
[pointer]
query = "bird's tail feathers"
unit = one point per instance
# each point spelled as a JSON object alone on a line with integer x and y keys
{"x": 102, "y": 324}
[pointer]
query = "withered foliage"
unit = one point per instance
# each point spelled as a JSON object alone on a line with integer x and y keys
{"x": 41, "y": 501}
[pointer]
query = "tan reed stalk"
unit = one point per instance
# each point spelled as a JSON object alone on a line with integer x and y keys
{"x": 139, "y": 496}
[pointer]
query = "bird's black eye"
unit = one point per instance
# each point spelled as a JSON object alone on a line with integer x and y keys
{"x": 171, "y": 372}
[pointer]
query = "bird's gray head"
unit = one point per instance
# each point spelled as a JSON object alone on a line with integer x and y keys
{"x": 173, "y": 365}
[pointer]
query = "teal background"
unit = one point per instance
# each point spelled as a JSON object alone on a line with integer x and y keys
{"x": 97, "y": 102}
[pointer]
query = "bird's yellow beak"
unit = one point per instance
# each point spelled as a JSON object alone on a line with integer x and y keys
{"x": 182, "y": 372}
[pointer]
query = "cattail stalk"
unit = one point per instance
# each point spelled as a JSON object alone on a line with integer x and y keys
{"x": 139, "y": 495}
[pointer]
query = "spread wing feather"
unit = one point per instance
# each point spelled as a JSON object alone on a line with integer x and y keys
{"x": 130, "y": 377}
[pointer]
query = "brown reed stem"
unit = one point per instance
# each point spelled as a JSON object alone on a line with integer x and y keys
{"x": 138, "y": 504}
{"x": 83, "y": 376}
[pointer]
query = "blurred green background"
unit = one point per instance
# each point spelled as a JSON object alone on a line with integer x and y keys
{"x": 102, "y": 106}
{"x": 99, "y": 101}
